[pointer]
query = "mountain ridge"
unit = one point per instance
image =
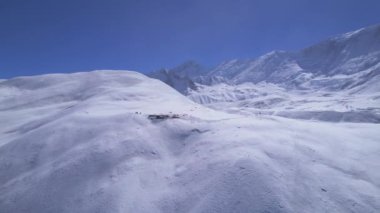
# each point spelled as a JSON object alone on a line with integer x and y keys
{"x": 345, "y": 54}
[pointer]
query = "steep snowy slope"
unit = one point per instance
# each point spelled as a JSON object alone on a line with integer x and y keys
{"x": 345, "y": 54}
{"x": 276, "y": 66}
{"x": 83, "y": 143}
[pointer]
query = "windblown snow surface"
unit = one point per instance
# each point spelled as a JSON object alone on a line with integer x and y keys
{"x": 83, "y": 143}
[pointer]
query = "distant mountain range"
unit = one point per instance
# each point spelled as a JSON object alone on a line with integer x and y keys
{"x": 342, "y": 62}
{"x": 335, "y": 80}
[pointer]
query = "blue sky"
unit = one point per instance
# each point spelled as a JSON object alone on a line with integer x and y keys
{"x": 49, "y": 36}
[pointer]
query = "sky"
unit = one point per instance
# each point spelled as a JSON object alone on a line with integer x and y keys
{"x": 50, "y": 36}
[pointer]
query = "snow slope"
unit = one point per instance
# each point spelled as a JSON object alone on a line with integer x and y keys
{"x": 74, "y": 143}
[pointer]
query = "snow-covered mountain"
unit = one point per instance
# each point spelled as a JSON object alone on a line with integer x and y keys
{"x": 341, "y": 62}
{"x": 345, "y": 55}
{"x": 334, "y": 80}
{"x": 91, "y": 142}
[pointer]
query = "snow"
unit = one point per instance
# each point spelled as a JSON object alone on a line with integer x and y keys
{"x": 83, "y": 142}
{"x": 271, "y": 99}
